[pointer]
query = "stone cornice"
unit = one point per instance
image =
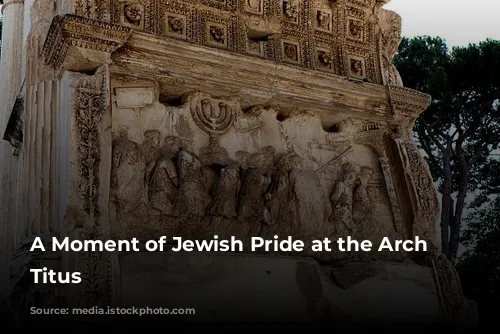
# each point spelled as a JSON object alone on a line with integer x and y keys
{"x": 194, "y": 67}
{"x": 342, "y": 37}
{"x": 79, "y": 44}
{"x": 408, "y": 104}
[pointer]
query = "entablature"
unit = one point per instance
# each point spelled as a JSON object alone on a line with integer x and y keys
{"x": 79, "y": 44}
{"x": 341, "y": 37}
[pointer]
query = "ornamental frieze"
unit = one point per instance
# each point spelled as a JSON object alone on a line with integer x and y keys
{"x": 347, "y": 38}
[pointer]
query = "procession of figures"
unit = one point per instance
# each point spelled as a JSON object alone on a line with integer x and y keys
{"x": 261, "y": 194}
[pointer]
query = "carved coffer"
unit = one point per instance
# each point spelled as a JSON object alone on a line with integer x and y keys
{"x": 236, "y": 118}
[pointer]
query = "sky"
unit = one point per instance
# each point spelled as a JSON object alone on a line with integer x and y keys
{"x": 459, "y": 22}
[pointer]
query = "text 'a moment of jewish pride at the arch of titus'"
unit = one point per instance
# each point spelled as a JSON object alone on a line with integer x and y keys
{"x": 177, "y": 244}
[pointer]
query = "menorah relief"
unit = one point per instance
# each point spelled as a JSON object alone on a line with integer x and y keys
{"x": 214, "y": 117}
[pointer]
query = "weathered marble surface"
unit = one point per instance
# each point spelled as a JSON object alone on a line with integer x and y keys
{"x": 188, "y": 118}
{"x": 278, "y": 288}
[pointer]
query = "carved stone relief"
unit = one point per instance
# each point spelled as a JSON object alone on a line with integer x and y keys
{"x": 279, "y": 196}
{"x": 255, "y": 177}
{"x": 356, "y": 67}
{"x": 191, "y": 187}
{"x": 163, "y": 180}
{"x": 343, "y": 196}
{"x": 223, "y": 207}
{"x": 269, "y": 152}
{"x": 132, "y": 14}
{"x": 252, "y": 209}
{"x": 89, "y": 106}
{"x": 93, "y": 9}
{"x": 176, "y": 25}
{"x": 88, "y": 112}
{"x": 214, "y": 117}
{"x": 254, "y": 6}
{"x": 355, "y": 29}
{"x": 323, "y": 20}
{"x": 426, "y": 206}
{"x": 284, "y": 31}
{"x": 362, "y": 207}
{"x": 389, "y": 24}
{"x": 128, "y": 176}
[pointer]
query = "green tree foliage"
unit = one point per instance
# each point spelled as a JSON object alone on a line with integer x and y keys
{"x": 462, "y": 126}
{"x": 479, "y": 267}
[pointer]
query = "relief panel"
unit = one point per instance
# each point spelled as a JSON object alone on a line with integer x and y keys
{"x": 206, "y": 167}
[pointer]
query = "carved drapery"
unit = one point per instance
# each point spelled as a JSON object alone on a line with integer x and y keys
{"x": 373, "y": 135}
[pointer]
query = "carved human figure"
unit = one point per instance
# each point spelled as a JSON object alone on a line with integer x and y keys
{"x": 252, "y": 210}
{"x": 225, "y": 194}
{"x": 191, "y": 186}
{"x": 150, "y": 150}
{"x": 342, "y": 196}
{"x": 151, "y": 144}
{"x": 161, "y": 174}
{"x": 307, "y": 200}
{"x": 268, "y": 153}
{"x": 223, "y": 207}
{"x": 127, "y": 173}
{"x": 279, "y": 196}
{"x": 362, "y": 208}
{"x": 163, "y": 185}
